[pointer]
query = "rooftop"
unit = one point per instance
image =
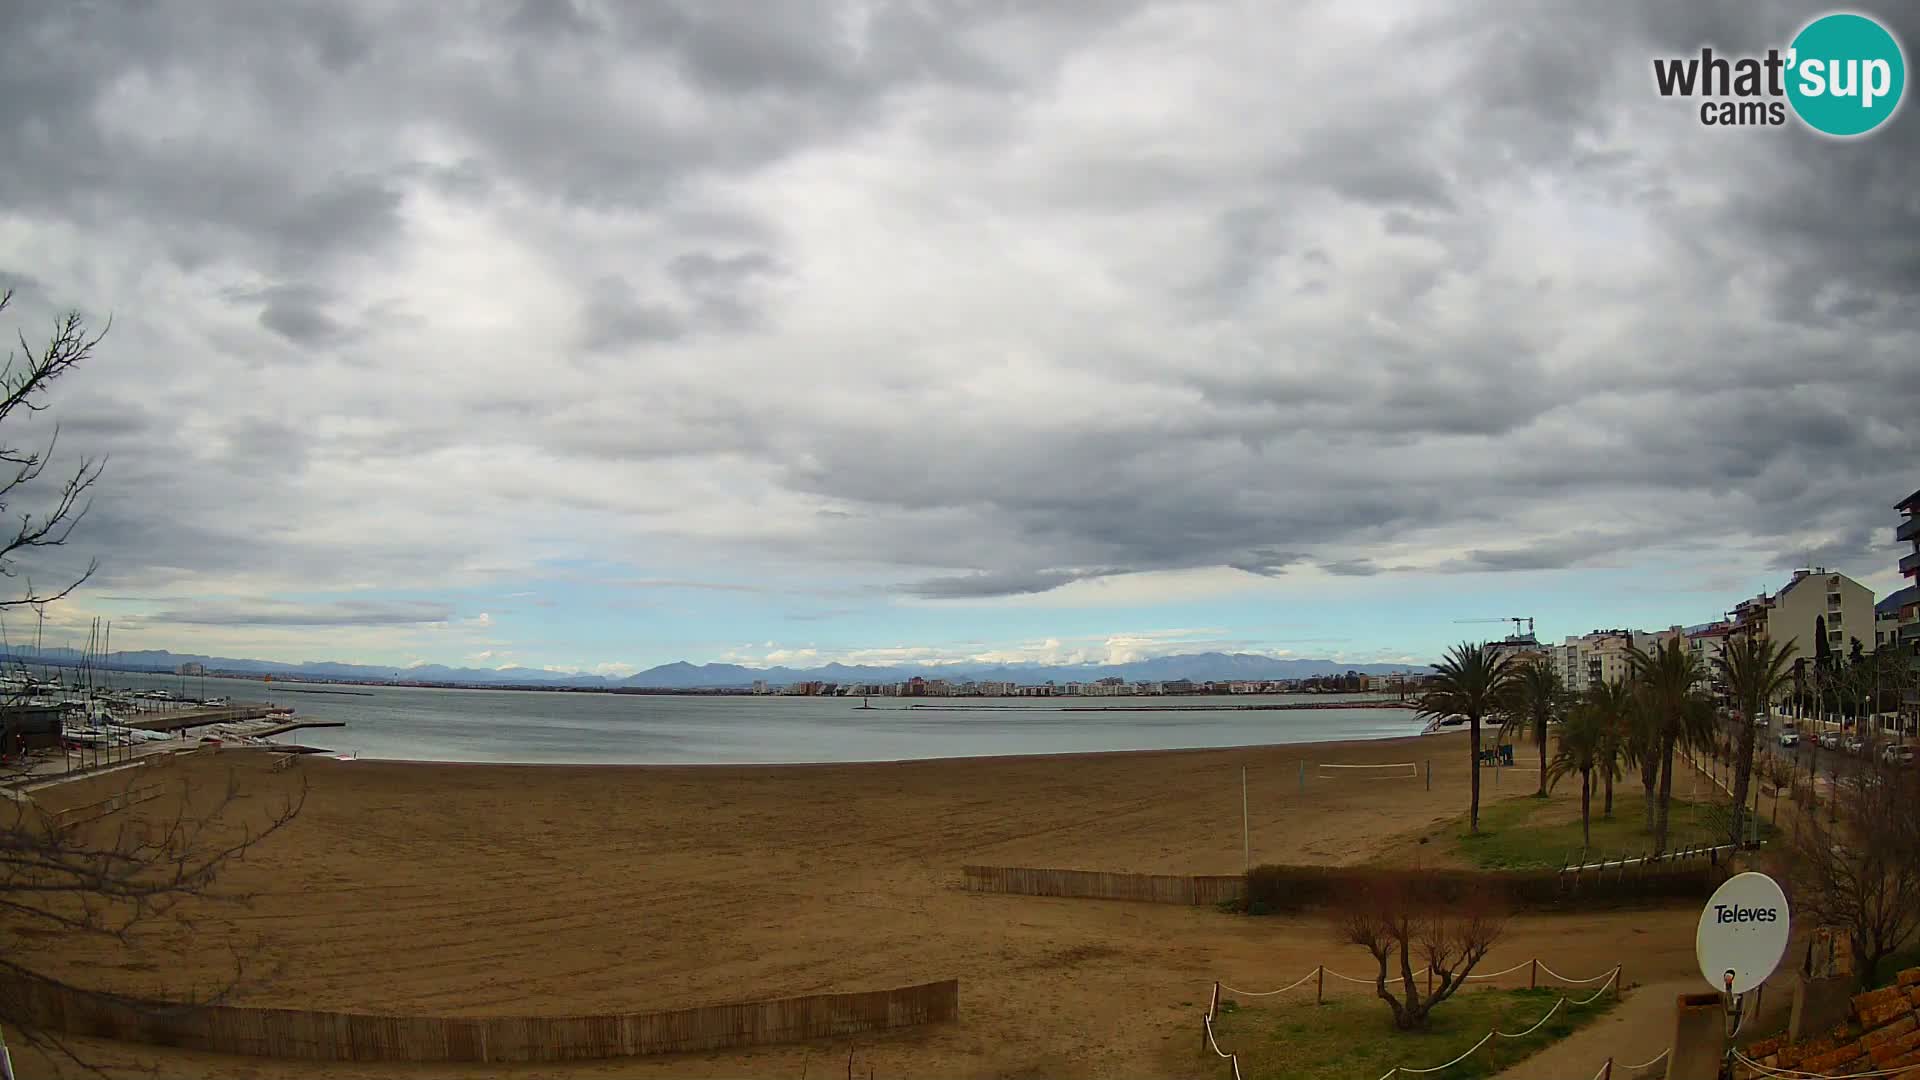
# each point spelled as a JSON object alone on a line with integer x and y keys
{"x": 1890, "y": 607}
{"x": 1911, "y": 502}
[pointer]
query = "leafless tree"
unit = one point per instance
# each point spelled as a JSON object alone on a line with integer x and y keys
{"x": 1780, "y": 776}
{"x": 111, "y": 868}
{"x": 1861, "y": 873}
{"x": 24, "y": 383}
{"x": 1401, "y": 924}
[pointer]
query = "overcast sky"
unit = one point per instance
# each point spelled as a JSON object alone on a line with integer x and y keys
{"x": 605, "y": 335}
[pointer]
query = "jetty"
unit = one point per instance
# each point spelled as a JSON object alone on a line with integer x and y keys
{"x": 183, "y": 719}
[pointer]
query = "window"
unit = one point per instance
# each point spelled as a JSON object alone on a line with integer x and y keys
{"x": 1833, "y": 637}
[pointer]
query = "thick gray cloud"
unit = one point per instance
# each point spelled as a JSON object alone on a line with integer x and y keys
{"x": 953, "y": 299}
{"x": 344, "y": 613}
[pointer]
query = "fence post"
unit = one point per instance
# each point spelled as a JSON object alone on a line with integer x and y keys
{"x": 1429, "y": 774}
{"x": 1618, "y": 978}
{"x": 1213, "y": 1005}
{"x": 1606, "y": 1073}
{"x": 1533, "y": 976}
{"x": 1320, "y": 989}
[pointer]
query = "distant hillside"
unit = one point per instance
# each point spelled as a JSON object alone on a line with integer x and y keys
{"x": 1200, "y": 667}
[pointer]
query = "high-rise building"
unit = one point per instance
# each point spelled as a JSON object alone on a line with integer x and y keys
{"x": 1909, "y": 533}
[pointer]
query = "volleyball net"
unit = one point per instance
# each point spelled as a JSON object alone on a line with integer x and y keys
{"x": 1332, "y": 770}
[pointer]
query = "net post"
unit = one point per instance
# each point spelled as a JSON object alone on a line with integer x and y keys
{"x": 1429, "y": 774}
{"x": 1533, "y": 976}
{"x": 1320, "y": 989}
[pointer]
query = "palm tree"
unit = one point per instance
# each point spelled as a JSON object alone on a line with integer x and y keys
{"x": 1756, "y": 672}
{"x": 1474, "y": 682}
{"x": 1582, "y": 749}
{"x": 1539, "y": 697}
{"x": 1613, "y": 701}
{"x": 1667, "y": 682}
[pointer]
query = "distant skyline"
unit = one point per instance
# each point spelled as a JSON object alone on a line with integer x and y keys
{"x": 581, "y": 336}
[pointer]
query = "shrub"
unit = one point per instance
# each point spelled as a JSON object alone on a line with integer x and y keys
{"x": 1295, "y": 888}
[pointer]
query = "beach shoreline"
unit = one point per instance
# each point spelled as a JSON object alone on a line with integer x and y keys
{"x": 1064, "y": 756}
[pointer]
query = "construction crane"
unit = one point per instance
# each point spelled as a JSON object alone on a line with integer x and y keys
{"x": 1516, "y": 620}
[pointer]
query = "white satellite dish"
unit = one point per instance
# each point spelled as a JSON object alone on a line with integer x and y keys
{"x": 1743, "y": 933}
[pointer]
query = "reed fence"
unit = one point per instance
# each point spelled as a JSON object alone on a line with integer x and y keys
{"x": 118, "y": 801}
{"x": 336, "y": 1036}
{"x": 1096, "y": 885}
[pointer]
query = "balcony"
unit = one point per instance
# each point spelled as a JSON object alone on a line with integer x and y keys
{"x": 1911, "y": 564}
{"x": 1908, "y": 530}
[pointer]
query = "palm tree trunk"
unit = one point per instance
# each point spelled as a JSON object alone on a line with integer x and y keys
{"x": 1473, "y": 808}
{"x": 1607, "y": 779}
{"x": 1663, "y": 810}
{"x": 1650, "y": 778}
{"x": 1540, "y": 739}
{"x": 1586, "y": 810}
{"x": 1742, "y": 777}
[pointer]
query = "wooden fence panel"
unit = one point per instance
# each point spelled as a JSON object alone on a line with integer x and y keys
{"x": 334, "y": 1036}
{"x": 1096, "y": 885}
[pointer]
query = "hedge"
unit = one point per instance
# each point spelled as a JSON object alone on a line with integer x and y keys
{"x": 1293, "y": 888}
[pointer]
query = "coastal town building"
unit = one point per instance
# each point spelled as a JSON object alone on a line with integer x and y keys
{"x": 1519, "y": 648}
{"x": 1707, "y": 643}
{"x": 1887, "y": 616}
{"x": 1600, "y": 657}
{"x": 1908, "y": 532}
{"x": 1813, "y": 606}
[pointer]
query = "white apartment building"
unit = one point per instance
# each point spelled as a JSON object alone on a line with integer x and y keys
{"x": 1600, "y": 657}
{"x": 1813, "y": 603}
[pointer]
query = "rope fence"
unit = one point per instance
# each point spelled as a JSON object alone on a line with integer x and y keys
{"x": 1611, "y": 977}
{"x": 1233, "y": 1060}
{"x": 1795, "y": 1074}
{"x": 1657, "y": 1059}
{"x": 1539, "y": 968}
{"x": 1608, "y": 981}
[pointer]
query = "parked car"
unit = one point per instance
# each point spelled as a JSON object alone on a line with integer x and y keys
{"x": 1896, "y": 755}
{"x": 1789, "y": 738}
{"x": 1759, "y": 720}
{"x": 1856, "y": 744}
{"x": 1830, "y": 740}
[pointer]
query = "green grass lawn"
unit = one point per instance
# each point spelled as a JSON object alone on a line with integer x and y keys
{"x": 1353, "y": 1037}
{"x": 1529, "y": 833}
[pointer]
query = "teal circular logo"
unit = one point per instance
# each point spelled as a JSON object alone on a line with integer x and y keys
{"x": 1845, "y": 74}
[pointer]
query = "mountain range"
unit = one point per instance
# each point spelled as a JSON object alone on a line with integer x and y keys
{"x": 681, "y": 675}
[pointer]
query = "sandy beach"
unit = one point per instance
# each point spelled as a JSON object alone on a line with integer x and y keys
{"x": 491, "y": 889}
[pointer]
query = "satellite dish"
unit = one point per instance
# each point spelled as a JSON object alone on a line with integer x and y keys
{"x": 1743, "y": 933}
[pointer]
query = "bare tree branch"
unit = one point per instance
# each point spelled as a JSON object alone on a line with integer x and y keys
{"x": 24, "y": 382}
{"x": 1398, "y": 919}
{"x": 1860, "y": 871}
